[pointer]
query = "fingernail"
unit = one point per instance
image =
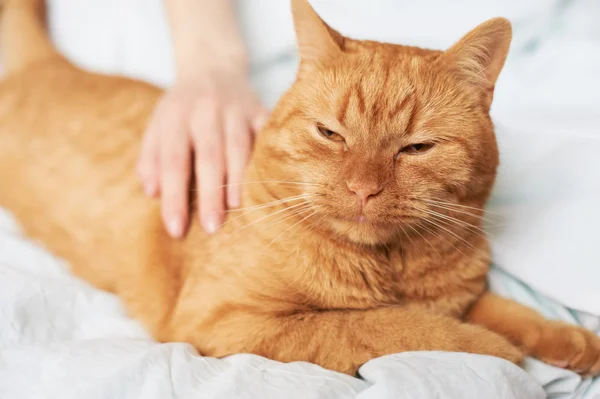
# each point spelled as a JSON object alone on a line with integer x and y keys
{"x": 175, "y": 228}
{"x": 210, "y": 223}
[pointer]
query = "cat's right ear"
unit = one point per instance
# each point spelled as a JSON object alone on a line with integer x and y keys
{"x": 316, "y": 40}
{"x": 480, "y": 55}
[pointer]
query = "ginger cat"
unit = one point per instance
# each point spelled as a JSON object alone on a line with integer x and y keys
{"x": 359, "y": 233}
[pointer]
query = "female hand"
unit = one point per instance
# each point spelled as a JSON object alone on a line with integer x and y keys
{"x": 208, "y": 122}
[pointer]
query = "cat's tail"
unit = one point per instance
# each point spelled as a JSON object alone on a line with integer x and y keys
{"x": 24, "y": 38}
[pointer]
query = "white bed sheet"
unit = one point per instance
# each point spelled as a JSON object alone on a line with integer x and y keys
{"x": 61, "y": 338}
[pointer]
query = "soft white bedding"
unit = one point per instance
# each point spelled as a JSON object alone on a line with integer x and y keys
{"x": 60, "y": 338}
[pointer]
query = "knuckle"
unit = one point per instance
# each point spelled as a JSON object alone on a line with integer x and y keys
{"x": 204, "y": 151}
{"x": 208, "y": 104}
{"x": 210, "y": 196}
{"x": 143, "y": 173}
{"x": 173, "y": 165}
{"x": 237, "y": 129}
{"x": 173, "y": 198}
{"x": 173, "y": 112}
{"x": 209, "y": 201}
{"x": 207, "y": 152}
{"x": 145, "y": 168}
{"x": 207, "y": 164}
{"x": 239, "y": 148}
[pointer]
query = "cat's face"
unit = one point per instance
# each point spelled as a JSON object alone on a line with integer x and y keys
{"x": 381, "y": 135}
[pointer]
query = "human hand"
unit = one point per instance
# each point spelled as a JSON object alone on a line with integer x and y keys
{"x": 209, "y": 121}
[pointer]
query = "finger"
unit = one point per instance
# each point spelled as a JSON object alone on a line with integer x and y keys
{"x": 238, "y": 144}
{"x": 175, "y": 170}
{"x": 259, "y": 118}
{"x": 147, "y": 164}
{"x": 209, "y": 164}
{"x": 259, "y": 122}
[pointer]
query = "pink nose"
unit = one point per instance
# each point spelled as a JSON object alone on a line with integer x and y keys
{"x": 364, "y": 192}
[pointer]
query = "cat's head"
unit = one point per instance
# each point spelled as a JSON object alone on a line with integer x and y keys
{"x": 382, "y": 134}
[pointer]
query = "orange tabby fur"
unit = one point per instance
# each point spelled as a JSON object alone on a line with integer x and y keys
{"x": 303, "y": 278}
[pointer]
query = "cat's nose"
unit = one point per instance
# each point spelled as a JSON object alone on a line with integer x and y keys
{"x": 364, "y": 192}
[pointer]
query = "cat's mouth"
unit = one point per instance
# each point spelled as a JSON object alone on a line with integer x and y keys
{"x": 365, "y": 220}
{"x": 375, "y": 222}
{"x": 363, "y": 229}
{"x": 368, "y": 221}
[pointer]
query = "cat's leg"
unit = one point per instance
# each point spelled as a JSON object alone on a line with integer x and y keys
{"x": 554, "y": 342}
{"x": 344, "y": 340}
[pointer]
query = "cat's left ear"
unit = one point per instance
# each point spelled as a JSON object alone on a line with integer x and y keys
{"x": 479, "y": 56}
{"x": 316, "y": 40}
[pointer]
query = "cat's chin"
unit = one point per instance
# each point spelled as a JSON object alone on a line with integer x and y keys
{"x": 363, "y": 230}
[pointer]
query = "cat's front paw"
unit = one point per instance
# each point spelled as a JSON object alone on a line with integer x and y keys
{"x": 567, "y": 346}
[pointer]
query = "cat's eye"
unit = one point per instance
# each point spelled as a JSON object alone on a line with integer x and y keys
{"x": 329, "y": 134}
{"x": 415, "y": 149}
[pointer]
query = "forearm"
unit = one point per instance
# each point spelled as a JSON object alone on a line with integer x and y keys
{"x": 205, "y": 36}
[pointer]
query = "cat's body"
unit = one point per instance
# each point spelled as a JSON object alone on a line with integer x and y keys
{"x": 280, "y": 280}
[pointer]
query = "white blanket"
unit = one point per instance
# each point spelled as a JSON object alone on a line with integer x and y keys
{"x": 60, "y": 338}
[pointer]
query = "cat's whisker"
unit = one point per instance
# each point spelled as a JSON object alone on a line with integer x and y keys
{"x": 461, "y": 239}
{"x": 460, "y": 211}
{"x": 438, "y": 235}
{"x": 269, "y": 204}
{"x": 292, "y": 214}
{"x": 313, "y": 224}
{"x": 412, "y": 243}
{"x": 399, "y": 229}
{"x": 303, "y": 205}
{"x": 272, "y": 203}
{"x": 457, "y": 206}
{"x": 423, "y": 237}
{"x": 459, "y": 222}
{"x": 428, "y": 230}
{"x": 381, "y": 242}
{"x": 277, "y": 202}
{"x": 280, "y": 182}
{"x": 296, "y": 213}
{"x": 445, "y": 219}
{"x": 291, "y": 227}
{"x": 450, "y": 224}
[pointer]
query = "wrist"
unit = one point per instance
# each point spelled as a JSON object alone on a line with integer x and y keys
{"x": 206, "y": 62}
